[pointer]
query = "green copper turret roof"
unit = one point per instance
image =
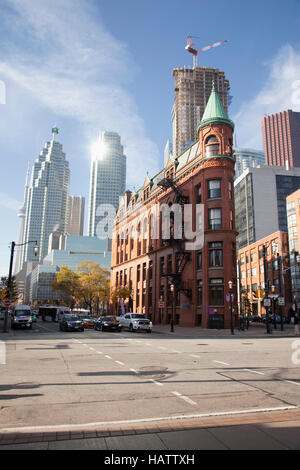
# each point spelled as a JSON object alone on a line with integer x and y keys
{"x": 214, "y": 112}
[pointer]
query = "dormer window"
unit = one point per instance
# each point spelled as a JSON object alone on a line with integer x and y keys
{"x": 211, "y": 146}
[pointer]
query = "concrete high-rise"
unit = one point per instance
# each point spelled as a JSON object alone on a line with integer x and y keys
{"x": 260, "y": 202}
{"x": 107, "y": 176}
{"x": 46, "y": 207}
{"x": 192, "y": 91}
{"x": 281, "y": 138}
{"x": 75, "y": 216}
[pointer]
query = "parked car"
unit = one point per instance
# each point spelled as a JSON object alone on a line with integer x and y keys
{"x": 88, "y": 322}
{"x": 109, "y": 323}
{"x": 21, "y": 317}
{"x": 136, "y": 322}
{"x": 71, "y": 322}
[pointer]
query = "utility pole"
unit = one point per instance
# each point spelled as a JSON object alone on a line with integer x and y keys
{"x": 8, "y": 295}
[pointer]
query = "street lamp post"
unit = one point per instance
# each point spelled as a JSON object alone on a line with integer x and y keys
{"x": 273, "y": 306}
{"x": 230, "y": 285}
{"x": 266, "y": 298}
{"x": 173, "y": 307}
{"x": 9, "y": 280}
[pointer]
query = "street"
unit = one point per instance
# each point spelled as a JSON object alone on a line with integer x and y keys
{"x": 55, "y": 379}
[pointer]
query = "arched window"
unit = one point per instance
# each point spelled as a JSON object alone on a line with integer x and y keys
{"x": 211, "y": 146}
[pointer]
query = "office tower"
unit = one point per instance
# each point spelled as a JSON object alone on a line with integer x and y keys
{"x": 192, "y": 90}
{"x": 22, "y": 215}
{"x": 46, "y": 209}
{"x": 281, "y": 138}
{"x": 75, "y": 216}
{"x": 107, "y": 176}
{"x": 247, "y": 158}
{"x": 260, "y": 202}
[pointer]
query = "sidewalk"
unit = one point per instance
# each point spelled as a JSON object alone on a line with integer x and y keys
{"x": 256, "y": 330}
{"x": 253, "y": 431}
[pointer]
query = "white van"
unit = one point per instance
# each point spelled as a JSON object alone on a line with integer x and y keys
{"x": 21, "y": 317}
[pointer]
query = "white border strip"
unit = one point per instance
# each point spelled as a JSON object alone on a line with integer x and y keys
{"x": 143, "y": 420}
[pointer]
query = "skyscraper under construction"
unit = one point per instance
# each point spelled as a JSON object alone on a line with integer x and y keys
{"x": 192, "y": 90}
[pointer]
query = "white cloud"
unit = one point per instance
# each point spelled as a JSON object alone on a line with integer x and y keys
{"x": 8, "y": 202}
{"x": 280, "y": 92}
{"x": 71, "y": 64}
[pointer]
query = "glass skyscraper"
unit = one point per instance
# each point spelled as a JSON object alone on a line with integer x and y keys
{"x": 107, "y": 176}
{"x": 247, "y": 158}
{"x": 46, "y": 205}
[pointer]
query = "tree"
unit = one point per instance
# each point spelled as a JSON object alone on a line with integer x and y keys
{"x": 93, "y": 283}
{"x": 86, "y": 287}
{"x": 13, "y": 289}
{"x": 67, "y": 281}
{"x": 120, "y": 293}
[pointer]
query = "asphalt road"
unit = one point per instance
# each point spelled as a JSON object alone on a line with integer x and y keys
{"x": 54, "y": 379}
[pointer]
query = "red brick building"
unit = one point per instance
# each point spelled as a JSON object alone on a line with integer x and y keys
{"x": 281, "y": 138}
{"x": 170, "y": 278}
{"x": 255, "y": 282}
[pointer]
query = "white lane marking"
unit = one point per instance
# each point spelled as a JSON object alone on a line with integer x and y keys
{"x": 161, "y": 347}
{"x": 148, "y": 344}
{"x": 220, "y": 362}
{"x": 195, "y": 355}
{"x": 291, "y": 382}
{"x": 254, "y": 371}
{"x": 133, "y": 370}
{"x": 108, "y": 357}
{"x": 183, "y": 397}
{"x": 176, "y": 351}
{"x": 156, "y": 383}
{"x": 145, "y": 420}
{"x": 121, "y": 363}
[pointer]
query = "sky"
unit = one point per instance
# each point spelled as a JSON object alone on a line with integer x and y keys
{"x": 89, "y": 66}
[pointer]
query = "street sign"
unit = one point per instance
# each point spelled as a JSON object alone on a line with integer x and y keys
{"x": 228, "y": 297}
{"x": 161, "y": 304}
{"x": 6, "y": 303}
{"x": 281, "y": 301}
{"x": 267, "y": 302}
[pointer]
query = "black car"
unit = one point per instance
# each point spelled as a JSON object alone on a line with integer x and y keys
{"x": 109, "y": 323}
{"x": 71, "y": 322}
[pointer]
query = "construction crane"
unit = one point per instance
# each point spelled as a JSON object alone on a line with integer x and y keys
{"x": 190, "y": 47}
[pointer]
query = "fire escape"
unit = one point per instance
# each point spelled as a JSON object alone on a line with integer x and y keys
{"x": 182, "y": 256}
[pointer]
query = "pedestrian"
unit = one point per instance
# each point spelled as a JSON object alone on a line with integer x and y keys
{"x": 296, "y": 323}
